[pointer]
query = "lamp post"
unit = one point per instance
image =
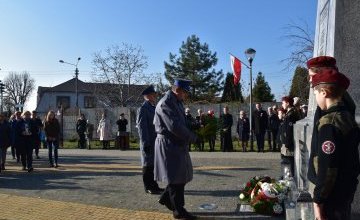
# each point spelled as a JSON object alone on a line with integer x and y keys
{"x": 76, "y": 78}
{"x": 60, "y": 113}
{"x": 2, "y": 90}
{"x": 250, "y": 54}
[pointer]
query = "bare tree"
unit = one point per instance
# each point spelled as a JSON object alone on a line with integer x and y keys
{"x": 19, "y": 87}
{"x": 118, "y": 68}
{"x": 300, "y": 39}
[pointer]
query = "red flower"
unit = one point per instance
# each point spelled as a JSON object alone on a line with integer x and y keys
{"x": 248, "y": 184}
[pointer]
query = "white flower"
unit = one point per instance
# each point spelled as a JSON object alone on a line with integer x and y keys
{"x": 242, "y": 196}
{"x": 277, "y": 208}
{"x": 257, "y": 178}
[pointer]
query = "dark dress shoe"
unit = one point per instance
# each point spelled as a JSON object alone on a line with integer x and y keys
{"x": 166, "y": 203}
{"x": 185, "y": 216}
{"x": 30, "y": 169}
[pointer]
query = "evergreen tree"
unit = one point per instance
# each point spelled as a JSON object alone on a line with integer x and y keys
{"x": 195, "y": 62}
{"x": 231, "y": 92}
{"x": 262, "y": 90}
{"x": 300, "y": 86}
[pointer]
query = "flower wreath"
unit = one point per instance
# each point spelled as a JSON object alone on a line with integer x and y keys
{"x": 265, "y": 195}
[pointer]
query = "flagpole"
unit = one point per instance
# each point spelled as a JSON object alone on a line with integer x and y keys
{"x": 240, "y": 60}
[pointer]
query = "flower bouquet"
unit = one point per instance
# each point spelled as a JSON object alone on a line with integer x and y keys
{"x": 265, "y": 195}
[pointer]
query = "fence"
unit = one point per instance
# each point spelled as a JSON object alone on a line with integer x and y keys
{"x": 94, "y": 115}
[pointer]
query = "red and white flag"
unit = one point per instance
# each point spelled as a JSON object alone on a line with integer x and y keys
{"x": 236, "y": 68}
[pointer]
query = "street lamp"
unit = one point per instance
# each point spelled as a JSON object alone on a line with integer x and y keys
{"x": 76, "y": 78}
{"x": 2, "y": 90}
{"x": 250, "y": 54}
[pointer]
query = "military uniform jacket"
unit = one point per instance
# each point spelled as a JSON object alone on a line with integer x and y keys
{"x": 172, "y": 159}
{"x": 147, "y": 134}
{"x": 334, "y": 162}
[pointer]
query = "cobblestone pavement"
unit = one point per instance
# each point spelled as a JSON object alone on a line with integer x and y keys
{"x": 99, "y": 184}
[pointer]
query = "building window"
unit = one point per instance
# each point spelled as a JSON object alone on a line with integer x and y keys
{"x": 89, "y": 102}
{"x": 63, "y": 101}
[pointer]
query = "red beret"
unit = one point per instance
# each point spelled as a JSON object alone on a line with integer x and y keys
{"x": 288, "y": 99}
{"x": 321, "y": 61}
{"x": 330, "y": 76}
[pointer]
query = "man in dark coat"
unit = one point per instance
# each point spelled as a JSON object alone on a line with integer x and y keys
{"x": 227, "y": 122}
{"x": 190, "y": 122}
{"x": 81, "y": 129}
{"x": 39, "y": 126}
{"x": 172, "y": 159}
{"x": 146, "y": 129}
{"x": 274, "y": 123}
{"x": 122, "y": 134}
{"x": 4, "y": 139}
{"x": 259, "y": 124}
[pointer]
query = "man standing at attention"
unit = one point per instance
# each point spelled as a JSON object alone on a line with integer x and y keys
{"x": 172, "y": 159}
{"x": 260, "y": 123}
{"x": 146, "y": 129}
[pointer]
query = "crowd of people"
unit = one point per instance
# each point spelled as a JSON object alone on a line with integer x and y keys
{"x": 268, "y": 124}
{"x": 23, "y": 132}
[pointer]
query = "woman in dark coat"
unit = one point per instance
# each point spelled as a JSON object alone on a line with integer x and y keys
{"x": 243, "y": 130}
{"x": 4, "y": 139}
{"x": 52, "y": 133}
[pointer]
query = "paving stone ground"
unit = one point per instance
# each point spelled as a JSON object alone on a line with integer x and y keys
{"x": 98, "y": 184}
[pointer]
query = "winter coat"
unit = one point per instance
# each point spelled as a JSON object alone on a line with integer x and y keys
{"x": 147, "y": 134}
{"x": 5, "y": 135}
{"x": 243, "y": 128}
{"x": 260, "y": 121}
{"x": 172, "y": 159}
{"x": 52, "y": 129}
{"x": 104, "y": 130}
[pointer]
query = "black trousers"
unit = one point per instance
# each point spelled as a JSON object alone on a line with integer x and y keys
{"x": 260, "y": 139}
{"x": 173, "y": 196}
{"x": 82, "y": 140}
{"x": 274, "y": 134}
{"x": 212, "y": 143}
{"x": 268, "y": 136}
{"x": 148, "y": 178}
{"x": 338, "y": 211}
{"x": 26, "y": 156}
{"x": 37, "y": 146}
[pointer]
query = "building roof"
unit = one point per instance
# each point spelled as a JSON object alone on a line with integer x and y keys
{"x": 99, "y": 90}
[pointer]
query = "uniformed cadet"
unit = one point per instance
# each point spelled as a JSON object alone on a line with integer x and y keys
{"x": 146, "y": 129}
{"x": 315, "y": 66}
{"x": 172, "y": 159}
{"x": 287, "y": 142}
{"x": 334, "y": 161}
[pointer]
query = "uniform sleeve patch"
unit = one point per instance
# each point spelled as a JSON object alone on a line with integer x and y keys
{"x": 328, "y": 147}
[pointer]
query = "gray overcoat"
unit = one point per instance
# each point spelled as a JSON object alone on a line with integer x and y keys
{"x": 172, "y": 159}
{"x": 146, "y": 129}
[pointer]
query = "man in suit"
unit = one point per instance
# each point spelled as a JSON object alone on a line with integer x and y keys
{"x": 146, "y": 129}
{"x": 172, "y": 159}
{"x": 260, "y": 124}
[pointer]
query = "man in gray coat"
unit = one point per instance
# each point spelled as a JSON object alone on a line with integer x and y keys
{"x": 146, "y": 129}
{"x": 172, "y": 159}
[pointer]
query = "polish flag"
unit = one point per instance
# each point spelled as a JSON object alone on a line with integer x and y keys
{"x": 236, "y": 68}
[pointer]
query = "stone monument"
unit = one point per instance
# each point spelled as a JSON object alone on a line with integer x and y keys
{"x": 337, "y": 34}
